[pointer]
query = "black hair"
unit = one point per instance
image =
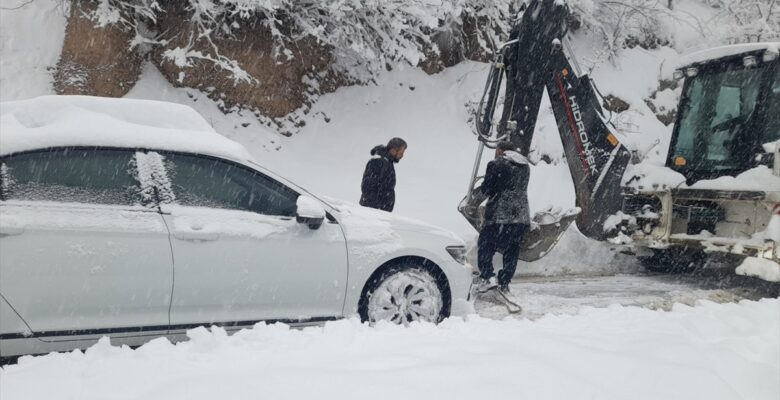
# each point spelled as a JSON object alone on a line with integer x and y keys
{"x": 506, "y": 145}
{"x": 396, "y": 143}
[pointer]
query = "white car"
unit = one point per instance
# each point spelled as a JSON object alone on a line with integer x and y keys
{"x": 133, "y": 219}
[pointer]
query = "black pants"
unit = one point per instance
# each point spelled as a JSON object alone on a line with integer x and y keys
{"x": 499, "y": 237}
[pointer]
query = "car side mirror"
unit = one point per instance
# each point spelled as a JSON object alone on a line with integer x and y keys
{"x": 310, "y": 212}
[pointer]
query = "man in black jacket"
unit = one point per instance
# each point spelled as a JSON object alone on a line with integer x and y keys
{"x": 507, "y": 215}
{"x": 378, "y": 185}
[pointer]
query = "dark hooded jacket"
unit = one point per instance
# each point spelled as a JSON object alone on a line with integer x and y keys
{"x": 506, "y": 185}
{"x": 378, "y": 185}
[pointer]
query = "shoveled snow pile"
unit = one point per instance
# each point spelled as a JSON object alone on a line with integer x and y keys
{"x": 647, "y": 176}
{"x": 765, "y": 269}
{"x": 759, "y": 178}
{"x": 710, "y": 351}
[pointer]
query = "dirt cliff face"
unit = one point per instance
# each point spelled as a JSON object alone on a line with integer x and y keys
{"x": 95, "y": 61}
{"x": 457, "y": 44}
{"x": 98, "y": 61}
{"x": 279, "y": 85}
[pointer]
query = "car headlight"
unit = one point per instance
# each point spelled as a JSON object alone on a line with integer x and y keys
{"x": 458, "y": 253}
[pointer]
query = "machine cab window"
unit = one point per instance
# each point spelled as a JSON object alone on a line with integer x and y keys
{"x": 723, "y": 118}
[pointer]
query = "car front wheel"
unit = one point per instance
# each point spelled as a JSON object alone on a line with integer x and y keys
{"x": 403, "y": 295}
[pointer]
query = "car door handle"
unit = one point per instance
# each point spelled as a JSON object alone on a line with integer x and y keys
{"x": 6, "y": 230}
{"x": 196, "y": 236}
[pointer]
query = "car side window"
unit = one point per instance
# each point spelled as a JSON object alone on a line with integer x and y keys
{"x": 209, "y": 182}
{"x": 93, "y": 176}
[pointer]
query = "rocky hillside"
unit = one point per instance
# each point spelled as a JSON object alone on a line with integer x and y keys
{"x": 274, "y": 58}
{"x": 271, "y": 60}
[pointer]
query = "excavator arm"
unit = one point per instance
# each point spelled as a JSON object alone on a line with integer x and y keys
{"x": 534, "y": 59}
{"x": 596, "y": 158}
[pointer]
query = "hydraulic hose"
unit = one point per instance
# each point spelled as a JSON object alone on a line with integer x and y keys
{"x": 487, "y": 103}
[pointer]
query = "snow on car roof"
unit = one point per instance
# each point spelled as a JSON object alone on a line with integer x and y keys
{"x": 56, "y": 121}
{"x": 726, "y": 51}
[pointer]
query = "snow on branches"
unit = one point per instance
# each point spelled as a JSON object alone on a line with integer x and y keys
{"x": 649, "y": 23}
{"x": 624, "y": 23}
{"x": 747, "y": 20}
{"x": 363, "y": 35}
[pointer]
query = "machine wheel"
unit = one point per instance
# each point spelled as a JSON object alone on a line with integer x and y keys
{"x": 404, "y": 294}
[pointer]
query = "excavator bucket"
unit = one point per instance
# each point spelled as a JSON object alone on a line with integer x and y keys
{"x": 547, "y": 227}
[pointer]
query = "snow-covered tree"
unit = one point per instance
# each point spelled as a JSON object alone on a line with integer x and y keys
{"x": 621, "y": 23}
{"x": 363, "y": 35}
{"x": 747, "y": 20}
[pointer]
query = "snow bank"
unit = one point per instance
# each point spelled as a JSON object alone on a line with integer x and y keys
{"x": 647, "y": 176}
{"x": 759, "y": 178}
{"x": 709, "y": 351}
{"x": 771, "y": 146}
{"x": 31, "y": 36}
{"x": 767, "y": 270}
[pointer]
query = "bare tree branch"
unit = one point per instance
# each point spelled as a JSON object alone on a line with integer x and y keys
{"x": 18, "y": 7}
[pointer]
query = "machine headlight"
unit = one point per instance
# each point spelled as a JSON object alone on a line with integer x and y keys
{"x": 458, "y": 253}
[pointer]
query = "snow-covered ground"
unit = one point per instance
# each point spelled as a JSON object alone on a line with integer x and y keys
{"x": 541, "y": 295}
{"x": 31, "y": 37}
{"x": 710, "y": 351}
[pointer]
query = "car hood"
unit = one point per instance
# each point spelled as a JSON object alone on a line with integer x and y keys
{"x": 368, "y": 224}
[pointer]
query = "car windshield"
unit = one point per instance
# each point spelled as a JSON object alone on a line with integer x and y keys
{"x": 718, "y": 105}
